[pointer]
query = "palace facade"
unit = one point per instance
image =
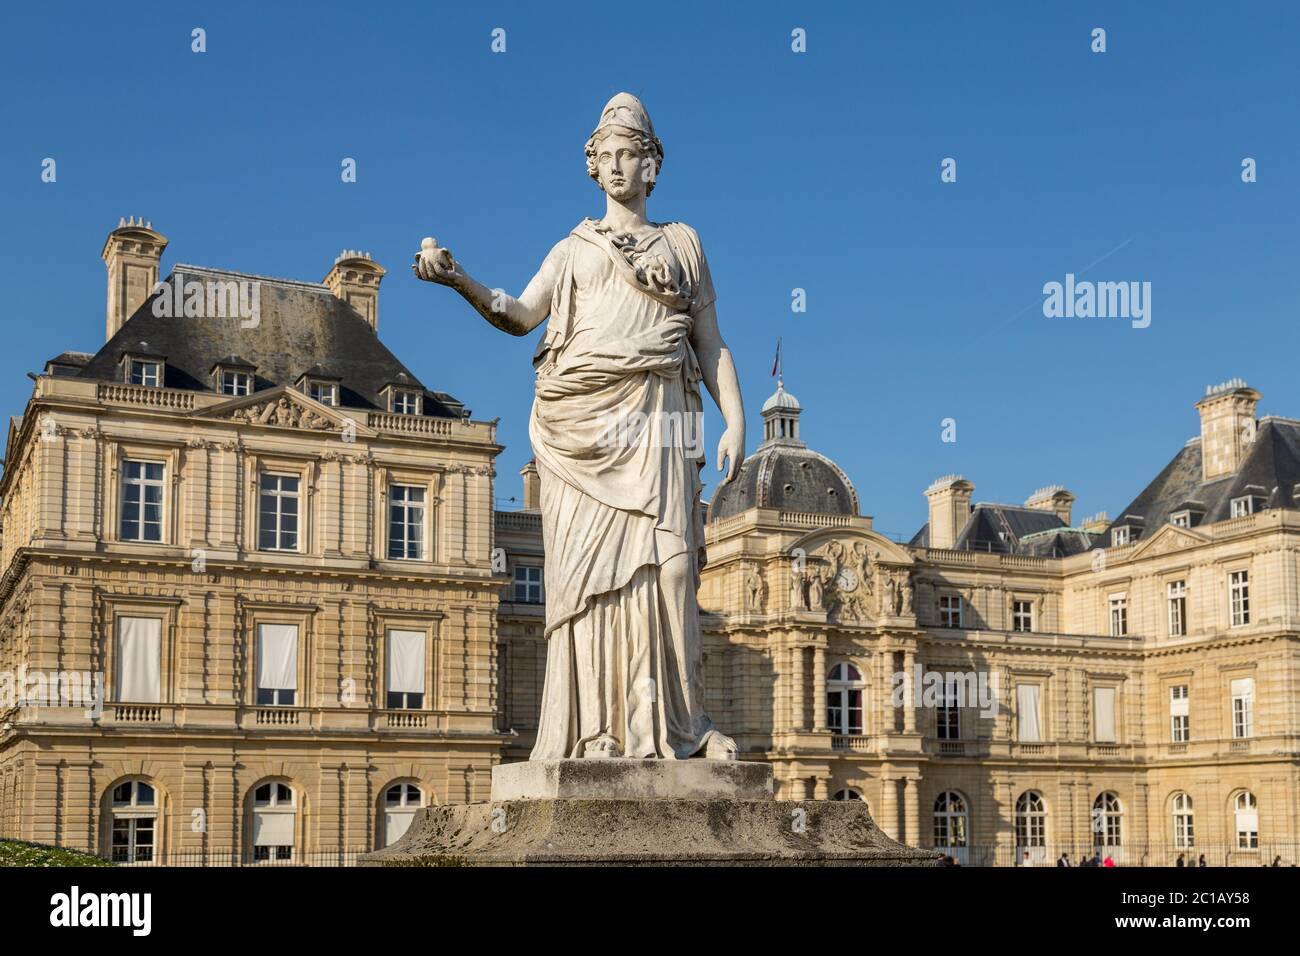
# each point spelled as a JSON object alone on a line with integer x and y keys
{"x": 276, "y": 551}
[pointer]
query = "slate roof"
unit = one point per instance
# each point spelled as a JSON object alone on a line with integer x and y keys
{"x": 67, "y": 364}
{"x": 789, "y": 477}
{"x": 1013, "y": 529}
{"x": 1270, "y": 474}
{"x": 302, "y": 325}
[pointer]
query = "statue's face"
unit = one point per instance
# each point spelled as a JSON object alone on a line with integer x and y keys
{"x": 619, "y": 167}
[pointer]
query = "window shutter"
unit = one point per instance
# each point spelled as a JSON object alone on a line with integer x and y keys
{"x": 1027, "y": 725}
{"x": 139, "y": 659}
{"x": 1104, "y": 709}
{"x": 277, "y": 656}
{"x": 405, "y": 665}
{"x": 273, "y": 828}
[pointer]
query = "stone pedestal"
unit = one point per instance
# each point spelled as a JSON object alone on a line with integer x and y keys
{"x": 618, "y": 812}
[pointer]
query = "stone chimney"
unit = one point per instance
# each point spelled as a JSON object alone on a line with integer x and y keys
{"x": 1227, "y": 427}
{"x": 1096, "y": 524}
{"x": 131, "y": 253}
{"x": 1052, "y": 498}
{"x": 532, "y": 486}
{"x": 355, "y": 279}
{"x": 949, "y": 498}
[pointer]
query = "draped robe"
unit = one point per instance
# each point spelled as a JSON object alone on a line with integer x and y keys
{"x": 615, "y": 432}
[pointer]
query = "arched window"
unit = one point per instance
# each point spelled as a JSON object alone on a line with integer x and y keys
{"x": 844, "y": 700}
{"x": 1107, "y": 822}
{"x": 275, "y": 817}
{"x": 1031, "y": 827}
{"x": 1184, "y": 828}
{"x": 1247, "y": 821}
{"x": 401, "y": 800}
{"x": 848, "y": 793}
{"x": 134, "y": 822}
{"x": 951, "y": 827}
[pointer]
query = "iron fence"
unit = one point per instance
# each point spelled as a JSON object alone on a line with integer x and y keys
{"x": 1215, "y": 855}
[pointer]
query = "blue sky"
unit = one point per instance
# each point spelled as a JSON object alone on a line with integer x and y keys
{"x": 817, "y": 170}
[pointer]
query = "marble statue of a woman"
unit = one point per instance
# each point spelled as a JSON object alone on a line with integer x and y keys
{"x": 615, "y": 428}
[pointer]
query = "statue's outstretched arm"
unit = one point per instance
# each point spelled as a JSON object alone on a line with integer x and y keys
{"x": 719, "y": 373}
{"x": 518, "y": 316}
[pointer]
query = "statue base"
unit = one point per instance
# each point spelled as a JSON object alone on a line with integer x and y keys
{"x": 617, "y": 812}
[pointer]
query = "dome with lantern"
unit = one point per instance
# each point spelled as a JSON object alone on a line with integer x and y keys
{"x": 784, "y": 473}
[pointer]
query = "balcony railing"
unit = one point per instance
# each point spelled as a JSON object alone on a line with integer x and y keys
{"x": 850, "y": 742}
{"x": 137, "y": 714}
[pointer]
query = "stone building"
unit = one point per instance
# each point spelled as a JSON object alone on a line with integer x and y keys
{"x": 271, "y": 543}
{"x": 1010, "y": 682}
{"x": 278, "y": 551}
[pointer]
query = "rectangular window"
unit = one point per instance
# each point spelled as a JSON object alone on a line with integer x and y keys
{"x": 1243, "y": 707}
{"x": 1118, "y": 615}
{"x": 1242, "y": 506}
{"x": 1177, "y": 592}
{"x": 1028, "y": 725}
{"x": 1239, "y": 597}
{"x": 1103, "y": 701}
{"x": 528, "y": 584}
{"x": 405, "y": 670}
{"x": 139, "y": 660}
{"x": 405, "y": 402}
{"x": 1179, "y": 714}
{"x": 145, "y": 373}
{"x": 406, "y": 522}
{"x": 278, "y": 513}
{"x": 950, "y": 610}
{"x": 326, "y": 394}
{"x": 142, "y": 500}
{"x": 948, "y": 715}
{"x": 1119, "y": 536}
{"x": 1181, "y": 519}
{"x": 236, "y": 383}
{"x": 277, "y": 664}
{"x": 1022, "y": 615}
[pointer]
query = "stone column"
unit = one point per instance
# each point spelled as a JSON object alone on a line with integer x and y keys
{"x": 884, "y": 689}
{"x": 911, "y": 810}
{"x": 821, "y": 790}
{"x": 819, "y": 689}
{"x": 909, "y": 702}
{"x": 889, "y": 806}
{"x": 797, "y": 708}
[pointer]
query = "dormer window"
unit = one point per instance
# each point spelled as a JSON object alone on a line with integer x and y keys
{"x": 327, "y": 393}
{"x": 405, "y": 401}
{"x": 1120, "y": 536}
{"x": 320, "y": 385}
{"x": 147, "y": 372}
{"x": 1181, "y": 519}
{"x": 1240, "y": 507}
{"x": 233, "y": 375}
{"x": 236, "y": 383}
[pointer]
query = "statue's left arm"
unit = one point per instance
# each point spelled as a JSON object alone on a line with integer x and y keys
{"x": 719, "y": 374}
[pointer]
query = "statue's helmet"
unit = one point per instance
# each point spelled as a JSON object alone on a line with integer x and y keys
{"x": 627, "y": 114}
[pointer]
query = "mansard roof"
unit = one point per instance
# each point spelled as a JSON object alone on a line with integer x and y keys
{"x": 1014, "y": 529}
{"x": 1269, "y": 473}
{"x": 301, "y": 325}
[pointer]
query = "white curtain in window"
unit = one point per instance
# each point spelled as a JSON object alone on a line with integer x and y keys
{"x": 396, "y": 823}
{"x": 1104, "y": 707}
{"x": 272, "y": 828}
{"x": 277, "y": 656}
{"x": 1027, "y": 726}
{"x": 1178, "y": 707}
{"x": 139, "y": 659}
{"x": 1243, "y": 687}
{"x": 1247, "y": 821}
{"x": 406, "y": 662}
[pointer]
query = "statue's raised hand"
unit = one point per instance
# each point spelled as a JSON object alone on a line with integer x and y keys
{"x": 433, "y": 263}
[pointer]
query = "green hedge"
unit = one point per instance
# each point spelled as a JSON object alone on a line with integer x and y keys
{"x": 18, "y": 853}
